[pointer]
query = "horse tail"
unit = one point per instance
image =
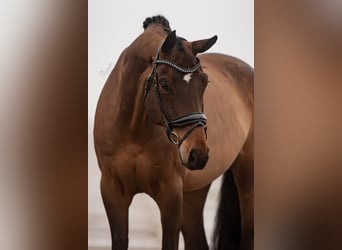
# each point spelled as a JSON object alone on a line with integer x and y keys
{"x": 227, "y": 232}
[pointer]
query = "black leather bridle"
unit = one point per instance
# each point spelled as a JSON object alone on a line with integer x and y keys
{"x": 195, "y": 119}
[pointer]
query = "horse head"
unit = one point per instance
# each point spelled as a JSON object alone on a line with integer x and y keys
{"x": 176, "y": 101}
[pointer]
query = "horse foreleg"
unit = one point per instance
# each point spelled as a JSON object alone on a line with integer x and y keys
{"x": 170, "y": 202}
{"x": 193, "y": 225}
{"x": 116, "y": 204}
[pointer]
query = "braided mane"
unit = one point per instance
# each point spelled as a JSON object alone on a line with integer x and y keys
{"x": 157, "y": 19}
{"x": 165, "y": 23}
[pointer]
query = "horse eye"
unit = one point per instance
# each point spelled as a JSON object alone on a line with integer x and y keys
{"x": 165, "y": 86}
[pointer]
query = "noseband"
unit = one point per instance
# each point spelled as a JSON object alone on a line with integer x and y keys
{"x": 195, "y": 119}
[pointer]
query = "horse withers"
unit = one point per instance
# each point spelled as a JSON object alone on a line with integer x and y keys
{"x": 160, "y": 111}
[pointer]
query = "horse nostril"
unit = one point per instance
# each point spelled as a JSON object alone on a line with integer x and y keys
{"x": 192, "y": 160}
{"x": 196, "y": 161}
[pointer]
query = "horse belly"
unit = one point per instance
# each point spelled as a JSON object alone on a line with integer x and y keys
{"x": 229, "y": 120}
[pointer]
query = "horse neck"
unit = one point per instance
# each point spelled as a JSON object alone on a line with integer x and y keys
{"x": 135, "y": 66}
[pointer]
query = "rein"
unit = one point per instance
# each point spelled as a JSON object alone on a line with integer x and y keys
{"x": 195, "y": 119}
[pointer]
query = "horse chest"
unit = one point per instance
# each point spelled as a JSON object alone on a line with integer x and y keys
{"x": 140, "y": 169}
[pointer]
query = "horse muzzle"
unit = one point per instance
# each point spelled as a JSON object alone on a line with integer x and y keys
{"x": 194, "y": 151}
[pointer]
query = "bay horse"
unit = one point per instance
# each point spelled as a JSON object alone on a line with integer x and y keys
{"x": 160, "y": 110}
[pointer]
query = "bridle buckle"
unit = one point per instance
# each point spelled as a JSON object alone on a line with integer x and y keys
{"x": 173, "y": 137}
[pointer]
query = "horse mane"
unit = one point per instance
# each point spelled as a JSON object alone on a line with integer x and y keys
{"x": 157, "y": 19}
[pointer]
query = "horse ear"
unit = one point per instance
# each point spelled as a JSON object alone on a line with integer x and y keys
{"x": 203, "y": 45}
{"x": 169, "y": 42}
